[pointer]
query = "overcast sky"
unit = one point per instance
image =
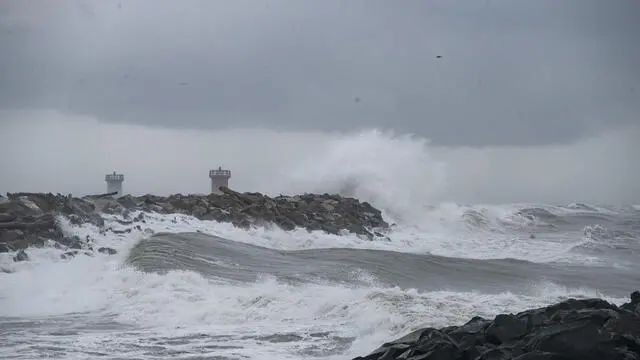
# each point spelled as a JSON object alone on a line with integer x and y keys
{"x": 521, "y": 100}
{"x": 51, "y": 151}
{"x": 510, "y": 72}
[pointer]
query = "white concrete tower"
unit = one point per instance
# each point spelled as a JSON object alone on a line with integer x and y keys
{"x": 219, "y": 177}
{"x": 114, "y": 182}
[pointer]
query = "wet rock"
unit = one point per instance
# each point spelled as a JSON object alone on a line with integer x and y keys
{"x": 21, "y": 256}
{"x": 107, "y": 250}
{"x": 324, "y": 212}
{"x": 113, "y": 208}
{"x": 31, "y": 219}
{"x": 634, "y": 305}
{"x": 13, "y": 239}
{"x": 128, "y": 202}
{"x": 73, "y": 242}
{"x": 58, "y": 245}
{"x": 11, "y": 235}
{"x": 590, "y": 329}
{"x": 73, "y": 253}
{"x": 115, "y": 231}
{"x": 4, "y": 217}
{"x": 69, "y": 254}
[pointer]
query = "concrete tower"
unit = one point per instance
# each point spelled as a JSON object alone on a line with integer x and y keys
{"x": 219, "y": 177}
{"x": 114, "y": 182}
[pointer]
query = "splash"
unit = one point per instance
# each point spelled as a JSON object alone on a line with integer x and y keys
{"x": 395, "y": 173}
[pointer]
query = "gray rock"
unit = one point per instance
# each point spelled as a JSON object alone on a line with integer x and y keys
{"x": 69, "y": 254}
{"x": 5, "y": 248}
{"x": 128, "y": 202}
{"x": 322, "y": 212}
{"x": 33, "y": 220}
{"x": 4, "y": 217}
{"x": 113, "y": 207}
{"x": 21, "y": 255}
{"x": 107, "y": 250}
{"x": 29, "y": 219}
{"x": 11, "y": 235}
{"x": 590, "y": 329}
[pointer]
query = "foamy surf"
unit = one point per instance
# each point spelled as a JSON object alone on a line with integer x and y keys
{"x": 103, "y": 305}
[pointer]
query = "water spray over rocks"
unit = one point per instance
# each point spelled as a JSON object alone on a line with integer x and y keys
{"x": 32, "y": 219}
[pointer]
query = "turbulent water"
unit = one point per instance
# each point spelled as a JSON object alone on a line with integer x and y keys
{"x": 180, "y": 288}
{"x": 204, "y": 290}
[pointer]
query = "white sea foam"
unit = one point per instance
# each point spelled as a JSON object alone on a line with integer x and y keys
{"x": 448, "y": 234}
{"x": 184, "y": 303}
{"x": 445, "y": 231}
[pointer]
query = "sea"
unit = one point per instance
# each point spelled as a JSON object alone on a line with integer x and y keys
{"x": 180, "y": 288}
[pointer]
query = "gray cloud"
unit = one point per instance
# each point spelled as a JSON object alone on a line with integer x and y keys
{"x": 511, "y": 72}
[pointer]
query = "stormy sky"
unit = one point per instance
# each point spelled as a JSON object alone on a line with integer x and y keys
{"x": 510, "y": 72}
{"x": 467, "y": 75}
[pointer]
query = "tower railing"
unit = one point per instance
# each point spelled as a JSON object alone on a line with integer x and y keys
{"x": 219, "y": 173}
{"x": 112, "y": 177}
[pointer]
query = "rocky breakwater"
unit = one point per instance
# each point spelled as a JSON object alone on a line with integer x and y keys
{"x": 32, "y": 219}
{"x": 590, "y": 329}
{"x": 333, "y": 214}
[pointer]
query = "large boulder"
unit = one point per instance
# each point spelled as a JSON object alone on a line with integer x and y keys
{"x": 30, "y": 219}
{"x": 590, "y": 329}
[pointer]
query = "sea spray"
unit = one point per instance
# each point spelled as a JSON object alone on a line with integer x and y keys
{"x": 396, "y": 173}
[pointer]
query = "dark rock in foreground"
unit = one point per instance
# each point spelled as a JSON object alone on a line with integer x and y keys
{"x": 29, "y": 219}
{"x": 591, "y": 329}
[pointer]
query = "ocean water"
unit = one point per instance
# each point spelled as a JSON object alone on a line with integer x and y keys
{"x": 180, "y": 288}
{"x": 205, "y": 290}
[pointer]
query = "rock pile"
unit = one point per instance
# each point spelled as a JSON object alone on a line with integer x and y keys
{"x": 29, "y": 219}
{"x": 591, "y": 329}
{"x": 330, "y": 213}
